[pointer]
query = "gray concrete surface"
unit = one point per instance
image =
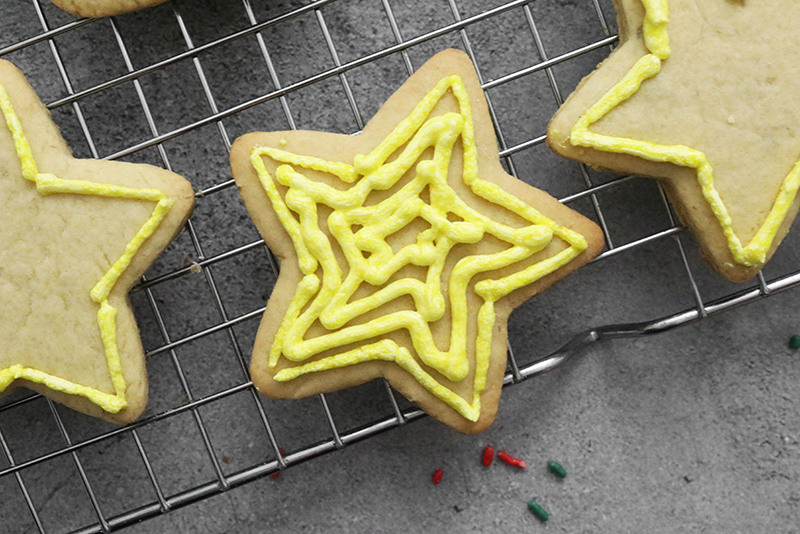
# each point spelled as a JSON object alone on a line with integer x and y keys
{"x": 693, "y": 430}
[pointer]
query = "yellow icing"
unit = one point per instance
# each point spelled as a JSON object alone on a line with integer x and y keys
{"x": 657, "y": 42}
{"x": 49, "y": 184}
{"x": 327, "y": 300}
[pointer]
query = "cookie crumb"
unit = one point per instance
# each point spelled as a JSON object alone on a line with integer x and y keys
{"x": 282, "y": 142}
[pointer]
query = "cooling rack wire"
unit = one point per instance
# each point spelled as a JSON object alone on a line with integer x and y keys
{"x": 146, "y": 87}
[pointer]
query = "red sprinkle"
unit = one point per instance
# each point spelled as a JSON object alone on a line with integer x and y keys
{"x": 488, "y": 455}
{"x": 510, "y": 460}
{"x": 437, "y": 476}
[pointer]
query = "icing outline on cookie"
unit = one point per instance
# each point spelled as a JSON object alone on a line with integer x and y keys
{"x": 330, "y": 306}
{"x": 656, "y": 40}
{"x": 49, "y": 184}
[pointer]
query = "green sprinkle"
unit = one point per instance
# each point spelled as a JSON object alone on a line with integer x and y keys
{"x": 794, "y": 343}
{"x": 557, "y": 468}
{"x": 538, "y": 511}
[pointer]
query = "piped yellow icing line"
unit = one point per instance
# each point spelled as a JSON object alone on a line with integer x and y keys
{"x": 49, "y": 184}
{"x": 657, "y": 42}
{"x": 328, "y": 300}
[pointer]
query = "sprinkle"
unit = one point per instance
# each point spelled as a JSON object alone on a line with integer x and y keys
{"x": 488, "y": 455}
{"x": 538, "y": 511}
{"x": 510, "y": 460}
{"x": 557, "y": 468}
{"x": 437, "y": 476}
{"x": 794, "y": 343}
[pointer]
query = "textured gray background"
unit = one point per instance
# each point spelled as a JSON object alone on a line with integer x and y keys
{"x": 694, "y": 430}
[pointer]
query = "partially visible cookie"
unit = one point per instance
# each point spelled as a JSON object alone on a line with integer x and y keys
{"x": 701, "y": 94}
{"x": 103, "y": 8}
{"x": 75, "y": 235}
{"x": 403, "y": 249}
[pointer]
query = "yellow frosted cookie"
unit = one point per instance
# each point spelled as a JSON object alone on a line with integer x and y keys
{"x": 403, "y": 249}
{"x": 103, "y": 8}
{"x": 701, "y": 94}
{"x": 75, "y": 235}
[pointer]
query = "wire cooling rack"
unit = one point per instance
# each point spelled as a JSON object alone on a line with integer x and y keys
{"x": 172, "y": 86}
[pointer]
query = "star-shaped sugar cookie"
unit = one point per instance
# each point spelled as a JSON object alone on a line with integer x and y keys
{"x": 703, "y": 95}
{"x": 103, "y": 8}
{"x": 75, "y": 235}
{"x": 403, "y": 249}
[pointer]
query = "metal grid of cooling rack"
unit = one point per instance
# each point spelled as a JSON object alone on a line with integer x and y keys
{"x": 45, "y": 42}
